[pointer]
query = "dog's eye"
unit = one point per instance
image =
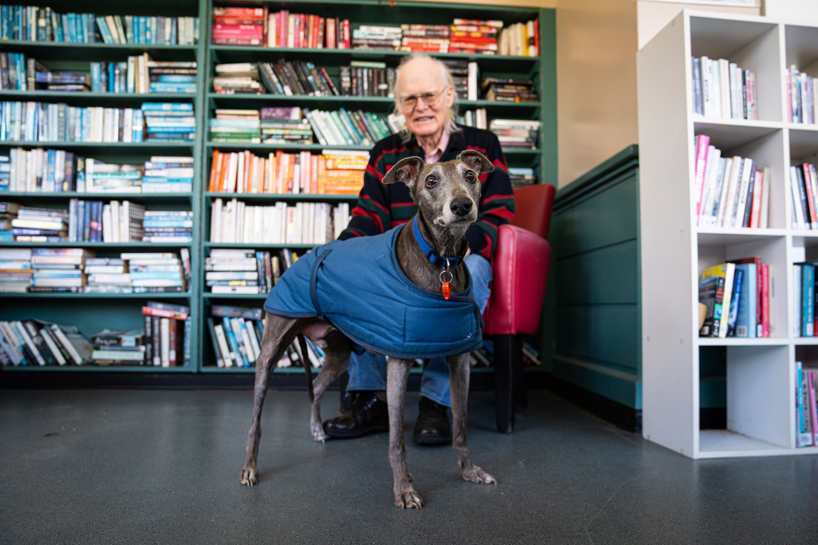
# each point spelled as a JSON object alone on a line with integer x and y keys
{"x": 470, "y": 176}
{"x": 431, "y": 181}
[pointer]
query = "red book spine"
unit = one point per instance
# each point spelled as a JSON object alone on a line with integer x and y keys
{"x": 765, "y": 300}
{"x": 347, "y": 38}
{"x": 537, "y": 36}
{"x": 172, "y": 343}
{"x": 284, "y": 25}
{"x": 238, "y": 12}
{"x": 264, "y": 23}
{"x": 810, "y": 197}
{"x": 161, "y": 313}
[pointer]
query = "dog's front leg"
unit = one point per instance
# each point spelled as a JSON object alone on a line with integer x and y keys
{"x": 459, "y": 382}
{"x": 397, "y": 377}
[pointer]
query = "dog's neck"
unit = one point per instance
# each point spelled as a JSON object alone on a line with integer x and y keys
{"x": 446, "y": 241}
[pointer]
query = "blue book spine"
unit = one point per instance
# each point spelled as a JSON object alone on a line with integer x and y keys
{"x": 171, "y": 106}
{"x": 697, "y": 85}
{"x": 95, "y": 80}
{"x": 173, "y": 31}
{"x": 807, "y": 300}
{"x": 56, "y": 26}
{"x": 235, "y": 355}
{"x": 248, "y": 349}
{"x": 746, "y": 313}
{"x": 51, "y": 164}
{"x": 359, "y": 139}
{"x": 137, "y": 126}
{"x": 5, "y": 27}
{"x": 66, "y": 28}
{"x": 111, "y": 77}
{"x": 88, "y": 28}
{"x": 186, "y": 346}
{"x": 799, "y": 386}
{"x": 736, "y": 295}
{"x": 335, "y": 118}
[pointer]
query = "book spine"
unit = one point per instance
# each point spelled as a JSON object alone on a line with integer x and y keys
{"x": 211, "y": 327}
{"x": 765, "y": 300}
{"x": 702, "y": 144}
{"x": 148, "y": 325}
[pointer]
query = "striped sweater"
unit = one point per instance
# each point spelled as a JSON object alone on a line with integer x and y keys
{"x": 382, "y": 207}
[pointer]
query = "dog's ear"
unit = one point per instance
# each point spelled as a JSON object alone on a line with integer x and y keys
{"x": 405, "y": 170}
{"x": 476, "y": 161}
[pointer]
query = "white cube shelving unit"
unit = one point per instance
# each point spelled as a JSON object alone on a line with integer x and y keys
{"x": 760, "y": 372}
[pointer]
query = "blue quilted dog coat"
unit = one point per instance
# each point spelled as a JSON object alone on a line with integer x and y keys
{"x": 357, "y": 285}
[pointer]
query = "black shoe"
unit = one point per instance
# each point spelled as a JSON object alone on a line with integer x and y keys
{"x": 366, "y": 415}
{"x": 432, "y": 427}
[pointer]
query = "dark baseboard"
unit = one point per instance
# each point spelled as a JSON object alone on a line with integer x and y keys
{"x": 713, "y": 418}
{"x": 622, "y": 416}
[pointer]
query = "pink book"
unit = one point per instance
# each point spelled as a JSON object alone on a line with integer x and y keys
{"x": 755, "y": 216}
{"x": 765, "y": 300}
{"x": 702, "y": 144}
{"x": 812, "y": 378}
{"x": 347, "y": 37}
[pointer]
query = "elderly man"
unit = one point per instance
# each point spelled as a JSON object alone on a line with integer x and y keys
{"x": 424, "y": 94}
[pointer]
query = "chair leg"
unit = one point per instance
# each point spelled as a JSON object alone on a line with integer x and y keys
{"x": 504, "y": 381}
{"x": 518, "y": 383}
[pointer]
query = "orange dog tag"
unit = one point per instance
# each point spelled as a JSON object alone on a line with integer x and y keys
{"x": 447, "y": 291}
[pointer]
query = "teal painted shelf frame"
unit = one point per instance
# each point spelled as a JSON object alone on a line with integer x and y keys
{"x": 53, "y": 306}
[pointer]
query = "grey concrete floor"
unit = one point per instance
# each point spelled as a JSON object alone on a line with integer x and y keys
{"x": 119, "y": 466}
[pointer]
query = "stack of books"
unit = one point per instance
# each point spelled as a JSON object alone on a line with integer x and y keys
{"x": 235, "y": 78}
{"x": 42, "y": 170}
{"x": 130, "y": 29}
{"x": 233, "y": 222}
{"x": 169, "y": 122}
{"x": 18, "y": 73}
{"x": 240, "y": 271}
{"x": 278, "y": 127}
{"x": 62, "y": 81}
{"x": 474, "y": 36}
{"x": 238, "y": 26}
{"x": 168, "y": 174}
{"x": 168, "y": 226}
{"x": 160, "y": 272}
{"x": 733, "y": 192}
{"x": 521, "y": 39}
{"x": 367, "y": 79}
{"x": 341, "y": 172}
{"x": 236, "y": 126}
{"x": 351, "y": 128}
{"x": 509, "y": 90}
{"x": 107, "y": 275}
{"x": 34, "y": 342}
{"x": 376, "y": 37}
{"x": 102, "y": 177}
{"x": 41, "y": 24}
{"x": 739, "y": 299}
{"x": 236, "y": 334}
{"x": 804, "y": 299}
{"x": 722, "y": 89}
{"x": 122, "y": 222}
{"x": 806, "y": 404}
{"x": 804, "y": 186}
{"x": 118, "y": 347}
{"x": 521, "y": 177}
{"x": 39, "y": 121}
{"x": 465, "y": 75}
{"x": 296, "y": 78}
{"x": 426, "y": 38}
{"x": 40, "y": 225}
{"x": 8, "y": 212}
{"x": 171, "y": 77}
{"x": 516, "y": 133}
{"x": 802, "y": 97}
{"x": 477, "y": 118}
{"x": 15, "y": 270}
{"x": 167, "y": 334}
{"x": 58, "y": 269}
{"x": 296, "y": 30}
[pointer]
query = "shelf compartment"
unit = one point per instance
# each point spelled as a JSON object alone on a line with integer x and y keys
{"x": 729, "y": 444}
{"x": 801, "y": 48}
{"x": 99, "y": 51}
{"x": 94, "y": 99}
{"x": 803, "y": 144}
{"x": 136, "y": 197}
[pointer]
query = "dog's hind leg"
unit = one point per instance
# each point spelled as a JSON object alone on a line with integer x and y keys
{"x": 397, "y": 377}
{"x": 459, "y": 383}
{"x": 279, "y": 332}
{"x": 336, "y": 361}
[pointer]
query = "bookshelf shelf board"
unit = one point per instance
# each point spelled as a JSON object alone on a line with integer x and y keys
{"x": 98, "y": 51}
{"x": 140, "y": 245}
{"x": 103, "y": 148}
{"x": 94, "y": 99}
{"x": 332, "y": 101}
{"x": 804, "y": 234}
{"x": 309, "y": 197}
{"x": 304, "y": 147}
{"x": 729, "y": 135}
{"x": 58, "y": 295}
{"x": 97, "y": 369}
{"x": 115, "y": 196}
{"x": 209, "y": 295}
{"x": 277, "y": 370}
{"x": 802, "y": 127}
{"x": 521, "y": 151}
{"x": 232, "y": 53}
{"x": 729, "y": 444}
{"x": 805, "y": 341}
{"x": 259, "y": 245}
{"x": 735, "y": 341}
{"x": 720, "y": 236}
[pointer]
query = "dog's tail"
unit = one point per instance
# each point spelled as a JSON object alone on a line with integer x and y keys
{"x": 302, "y": 342}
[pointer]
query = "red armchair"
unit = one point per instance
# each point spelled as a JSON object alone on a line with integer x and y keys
{"x": 520, "y": 267}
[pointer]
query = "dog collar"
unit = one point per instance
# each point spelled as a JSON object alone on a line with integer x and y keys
{"x": 426, "y": 248}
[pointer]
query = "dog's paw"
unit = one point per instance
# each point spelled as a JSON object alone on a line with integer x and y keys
{"x": 318, "y": 432}
{"x": 409, "y": 477}
{"x": 408, "y": 499}
{"x": 249, "y": 476}
{"x": 478, "y": 476}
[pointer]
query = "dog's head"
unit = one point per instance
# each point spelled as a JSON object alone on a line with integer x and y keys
{"x": 447, "y": 194}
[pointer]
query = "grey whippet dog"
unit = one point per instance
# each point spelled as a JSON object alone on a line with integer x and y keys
{"x": 447, "y": 195}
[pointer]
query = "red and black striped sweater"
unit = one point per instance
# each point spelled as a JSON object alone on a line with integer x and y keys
{"x": 382, "y": 207}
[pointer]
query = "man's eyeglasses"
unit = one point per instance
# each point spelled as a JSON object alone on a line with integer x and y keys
{"x": 430, "y": 98}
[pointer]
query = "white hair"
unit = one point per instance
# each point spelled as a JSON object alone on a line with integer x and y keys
{"x": 445, "y": 77}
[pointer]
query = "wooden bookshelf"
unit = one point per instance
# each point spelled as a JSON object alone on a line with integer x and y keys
{"x": 760, "y": 373}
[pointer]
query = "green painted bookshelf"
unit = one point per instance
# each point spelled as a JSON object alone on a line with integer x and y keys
{"x": 96, "y": 312}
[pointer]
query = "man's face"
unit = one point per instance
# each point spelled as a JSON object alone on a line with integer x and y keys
{"x": 422, "y": 77}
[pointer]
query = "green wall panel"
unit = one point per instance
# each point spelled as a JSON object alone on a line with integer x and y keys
{"x": 600, "y": 333}
{"x": 603, "y": 276}
{"x": 625, "y": 388}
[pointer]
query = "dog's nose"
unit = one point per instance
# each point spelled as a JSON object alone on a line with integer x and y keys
{"x": 461, "y": 206}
